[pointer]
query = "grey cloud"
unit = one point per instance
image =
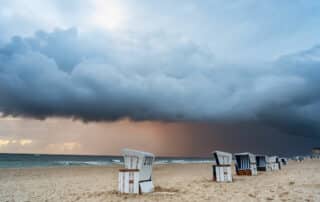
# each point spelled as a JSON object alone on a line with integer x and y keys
{"x": 99, "y": 77}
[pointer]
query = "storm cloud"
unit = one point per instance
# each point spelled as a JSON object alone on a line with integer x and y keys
{"x": 157, "y": 76}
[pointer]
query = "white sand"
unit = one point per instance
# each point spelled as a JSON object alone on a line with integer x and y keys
{"x": 189, "y": 182}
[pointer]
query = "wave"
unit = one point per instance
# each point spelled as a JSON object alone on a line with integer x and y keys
{"x": 80, "y": 163}
{"x": 181, "y": 161}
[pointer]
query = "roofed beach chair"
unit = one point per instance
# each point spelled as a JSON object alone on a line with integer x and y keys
{"x": 136, "y": 177}
{"x": 222, "y": 166}
{"x": 246, "y": 164}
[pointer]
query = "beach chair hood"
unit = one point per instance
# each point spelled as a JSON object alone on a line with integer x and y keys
{"x": 134, "y": 159}
{"x": 222, "y": 158}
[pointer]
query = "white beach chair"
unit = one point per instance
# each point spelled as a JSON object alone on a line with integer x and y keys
{"x": 263, "y": 163}
{"x": 222, "y": 166}
{"x": 246, "y": 164}
{"x": 139, "y": 164}
{"x": 274, "y": 163}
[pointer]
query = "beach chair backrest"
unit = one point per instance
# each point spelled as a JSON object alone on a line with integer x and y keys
{"x": 131, "y": 161}
{"x": 222, "y": 158}
{"x": 261, "y": 161}
{"x": 143, "y": 161}
{"x": 245, "y": 160}
{"x": 272, "y": 159}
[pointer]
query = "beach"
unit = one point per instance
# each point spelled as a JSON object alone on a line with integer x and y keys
{"x": 173, "y": 182}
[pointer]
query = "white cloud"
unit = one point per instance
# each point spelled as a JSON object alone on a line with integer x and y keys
{"x": 4, "y": 142}
{"x": 24, "y": 142}
{"x": 13, "y": 142}
{"x": 65, "y": 147}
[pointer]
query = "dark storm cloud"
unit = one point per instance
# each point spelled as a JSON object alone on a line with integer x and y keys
{"x": 99, "y": 77}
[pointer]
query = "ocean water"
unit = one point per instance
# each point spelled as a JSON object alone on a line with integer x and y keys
{"x": 45, "y": 160}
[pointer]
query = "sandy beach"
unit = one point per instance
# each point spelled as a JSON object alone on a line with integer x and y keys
{"x": 175, "y": 182}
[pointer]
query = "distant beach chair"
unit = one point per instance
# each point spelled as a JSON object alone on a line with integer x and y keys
{"x": 283, "y": 161}
{"x": 246, "y": 164}
{"x": 274, "y": 163}
{"x": 222, "y": 166}
{"x": 263, "y": 163}
{"x": 315, "y": 153}
{"x": 137, "y": 175}
{"x": 298, "y": 158}
{"x": 278, "y": 161}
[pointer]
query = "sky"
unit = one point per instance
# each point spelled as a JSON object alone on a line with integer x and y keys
{"x": 177, "y": 78}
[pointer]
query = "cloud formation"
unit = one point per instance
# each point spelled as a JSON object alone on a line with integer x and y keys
{"x": 100, "y": 77}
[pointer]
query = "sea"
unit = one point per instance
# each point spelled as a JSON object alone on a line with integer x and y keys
{"x": 49, "y": 160}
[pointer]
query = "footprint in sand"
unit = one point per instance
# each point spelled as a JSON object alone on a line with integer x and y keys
{"x": 252, "y": 195}
{"x": 283, "y": 194}
{"x": 270, "y": 199}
